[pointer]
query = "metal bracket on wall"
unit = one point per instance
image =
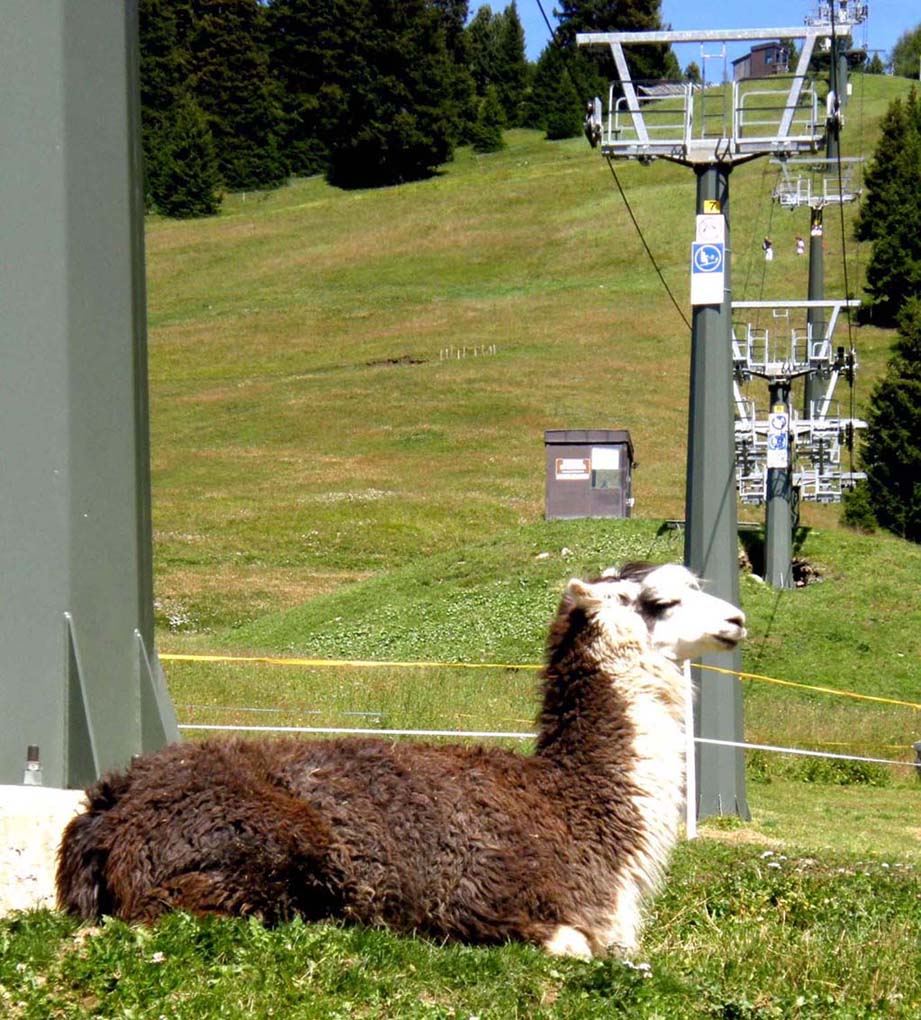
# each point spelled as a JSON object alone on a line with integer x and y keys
{"x": 159, "y": 724}
{"x": 81, "y": 760}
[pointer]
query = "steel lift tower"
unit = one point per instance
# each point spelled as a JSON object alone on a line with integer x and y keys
{"x": 78, "y": 670}
{"x": 712, "y": 128}
{"x": 800, "y": 458}
{"x": 783, "y": 457}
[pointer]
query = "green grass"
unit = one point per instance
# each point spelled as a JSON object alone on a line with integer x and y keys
{"x": 739, "y": 932}
{"x": 324, "y": 485}
{"x": 305, "y": 433}
{"x": 857, "y": 630}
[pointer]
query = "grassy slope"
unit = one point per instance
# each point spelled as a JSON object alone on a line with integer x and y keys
{"x": 305, "y": 432}
{"x": 310, "y": 496}
{"x": 324, "y": 484}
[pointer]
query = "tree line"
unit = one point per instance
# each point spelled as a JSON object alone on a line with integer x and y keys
{"x": 890, "y": 219}
{"x": 241, "y": 94}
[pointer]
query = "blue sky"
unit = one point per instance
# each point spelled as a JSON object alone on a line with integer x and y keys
{"x": 887, "y": 21}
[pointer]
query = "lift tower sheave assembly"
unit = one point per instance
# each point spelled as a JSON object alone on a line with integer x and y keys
{"x": 779, "y": 116}
{"x": 79, "y": 673}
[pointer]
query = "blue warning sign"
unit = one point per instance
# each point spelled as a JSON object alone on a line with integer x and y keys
{"x": 707, "y": 258}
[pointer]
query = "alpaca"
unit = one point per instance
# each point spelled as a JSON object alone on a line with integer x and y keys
{"x": 480, "y": 845}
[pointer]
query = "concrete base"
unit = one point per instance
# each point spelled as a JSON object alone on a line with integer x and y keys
{"x": 32, "y": 819}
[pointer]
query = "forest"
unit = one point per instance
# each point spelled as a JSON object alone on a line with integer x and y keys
{"x": 241, "y": 94}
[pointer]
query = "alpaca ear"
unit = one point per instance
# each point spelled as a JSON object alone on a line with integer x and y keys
{"x": 582, "y": 594}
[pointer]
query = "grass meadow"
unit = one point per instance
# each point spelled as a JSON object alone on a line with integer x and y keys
{"x": 327, "y": 484}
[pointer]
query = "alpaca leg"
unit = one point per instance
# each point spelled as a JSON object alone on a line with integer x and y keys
{"x": 623, "y": 928}
{"x": 209, "y": 892}
{"x": 566, "y": 941}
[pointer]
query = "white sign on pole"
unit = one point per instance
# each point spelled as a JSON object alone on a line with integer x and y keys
{"x": 707, "y": 273}
{"x": 778, "y": 439}
{"x": 708, "y": 255}
{"x": 711, "y": 228}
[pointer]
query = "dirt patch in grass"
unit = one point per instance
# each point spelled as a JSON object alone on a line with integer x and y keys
{"x": 739, "y": 837}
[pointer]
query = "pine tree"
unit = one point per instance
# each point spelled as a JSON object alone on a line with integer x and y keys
{"x": 880, "y": 171}
{"x": 875, "y": 65}
{"x": 906, "y": 54}
{"x": 482, "y": 46}
{"x": 496, "y": 59}
{"x": 511, "y": 74}
{"x": 892, "y": 451}
{"x": 646, "y": 63}
{"x": 487, "y": 132}
{"x": 460, "y": 96}
{"x": 396, "y": 122}
{"x": 163, "y": 25}
{"x": 191, "y": 180}
{"x": 232, "y": 83}
{"x": 891, "y": 214}
{"x": 557, "y": 106}
{"x": 310, "y": 65}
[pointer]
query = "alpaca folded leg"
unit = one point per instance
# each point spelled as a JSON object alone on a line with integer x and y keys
{"x": 207, "y": 892}
{"x": 567, "y": 941}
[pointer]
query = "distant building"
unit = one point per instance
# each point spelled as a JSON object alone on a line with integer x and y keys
{"x": 762, "y": 60}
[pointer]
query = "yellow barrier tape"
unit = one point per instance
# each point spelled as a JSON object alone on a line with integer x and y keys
{"x": 281, "y": 661}
{"x": 813, "y": 687}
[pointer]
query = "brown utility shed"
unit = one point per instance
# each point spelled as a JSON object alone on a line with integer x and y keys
{"x": 589, "y": 473}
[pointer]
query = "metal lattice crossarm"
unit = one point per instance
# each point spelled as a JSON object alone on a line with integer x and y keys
{"x": 791, "y": 352}
{"x": 818, "y": 182}
{"x": 780, "y": 353}
{"x": 777, "y": 115}
{"x": 842, "y": 12}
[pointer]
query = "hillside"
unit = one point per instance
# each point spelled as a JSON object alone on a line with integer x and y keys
{"x": 307, "y": 433}
{"x": 326, "y": 485}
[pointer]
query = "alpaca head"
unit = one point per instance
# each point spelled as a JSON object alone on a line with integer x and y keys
{"x": 681, "y": 620}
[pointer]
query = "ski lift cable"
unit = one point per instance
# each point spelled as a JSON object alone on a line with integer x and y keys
{"x": 752, "y": 249}
{"x": 636, "y": 226}
{"x": 652, "y": 258}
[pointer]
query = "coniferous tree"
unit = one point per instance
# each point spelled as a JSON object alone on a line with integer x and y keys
{"x": 892, "y": 452}
{"x": 482, "y": 46}
{"x": 891, "y": 213}
{"x": 880, "y": 171}
{"x": 875, "y": 65}
{"x": 233, "y": 85}
{"x": 396, "y": 122}
{"x": 557, "y": 106}
{"x": 310, "y": 63}
{"x": 496, "y": 60}
{"x": 190, "y": 182}
{"x": 162, "y": 29}
{"x": 511, "y": 74}
{"x": 906, "y": 54}
{"x": 487, "y": 132}
{"x": 461, "y": 96}
{"x": 646, "y": 63}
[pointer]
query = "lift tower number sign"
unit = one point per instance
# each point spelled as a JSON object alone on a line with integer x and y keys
{"x": 708, "y": 260}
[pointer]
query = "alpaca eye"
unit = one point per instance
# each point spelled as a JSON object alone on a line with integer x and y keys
{"x": 660, "y": 608}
